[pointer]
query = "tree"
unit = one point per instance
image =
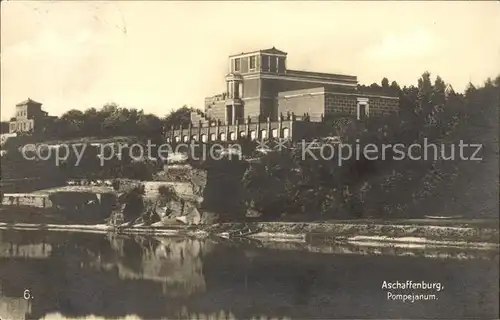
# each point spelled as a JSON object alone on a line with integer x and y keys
{"x": 488, "y": 83}
{"x": 148, "y": 124}
{"x": 439, "y": 91}
{"x": 93, "y": 121}
{"x": 115, "y": 120}
{"x": 497, "y": 81}
{"x": 425, "y": 85}
{"x": 424, "y": 104}
{"x": 385, "y": 83}
{"x": 469, "y": 90}
{"x": 395, "y": 86}
{"x": 73, "y": 123}
{"x": 179, "y": 117}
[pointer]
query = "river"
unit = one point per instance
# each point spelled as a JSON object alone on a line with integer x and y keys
{"x": 51, "y": 275}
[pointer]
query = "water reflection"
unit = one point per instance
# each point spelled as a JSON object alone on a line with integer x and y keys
{"x": 99, "y": 277}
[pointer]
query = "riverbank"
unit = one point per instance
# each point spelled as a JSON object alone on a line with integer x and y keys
{"x": 466, "y": 234}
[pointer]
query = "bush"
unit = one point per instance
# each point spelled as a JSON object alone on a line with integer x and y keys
{"x": 116, "y": 184}
{"x": 167, "y": 193}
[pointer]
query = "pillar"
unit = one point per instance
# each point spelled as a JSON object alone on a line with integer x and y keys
{"x": 236, "y": 129}
{"x": 247, "y": 127}
{"x": 280, "y": 126}
{"x": 199, "y": 130}
{"x": 257, "y": 130}
{"x": 268, "y": 127}
{"x": 217, "y": 130}
{"x": 233, "y": 118}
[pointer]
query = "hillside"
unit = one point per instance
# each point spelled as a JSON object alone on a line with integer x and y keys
{"x": 474, "y": 188}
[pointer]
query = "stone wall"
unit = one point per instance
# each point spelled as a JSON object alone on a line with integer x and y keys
{"x": 336, "y": 104}
{"x": 251, "y": 88}
{"x": 252, "y": 108}
{"x": 27, "y": 184}
{"x": 339, "y": 103}
{"x": 27, "y": 199}
{"x": 216, "y": 110}
{"x": 380, "y": 106}
{"x": 299, "y": 102}
{"x": 183, "y": 189}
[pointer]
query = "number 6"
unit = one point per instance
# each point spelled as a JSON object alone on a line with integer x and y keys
{"x": 27, "y": 294}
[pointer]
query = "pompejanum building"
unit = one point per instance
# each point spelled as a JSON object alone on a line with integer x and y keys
{"x": 265, "y": 99}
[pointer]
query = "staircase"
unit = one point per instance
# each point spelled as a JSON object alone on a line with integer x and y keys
{"x": 199, "y": 116}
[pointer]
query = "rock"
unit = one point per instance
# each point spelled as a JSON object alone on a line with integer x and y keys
{"x": 192, "y": 214}
{"x": 174, "y": 209}
{"x": 252, "y": 213}
{"x": 161, "y": 211}
{"x": 182, "y": 219}
{"x": 209, "y": 217}
{"x": 158, "y": 224}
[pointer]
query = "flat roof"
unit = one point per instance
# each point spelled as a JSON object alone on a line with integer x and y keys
{"x": 272, "y": 50}
{"x": 28, "y": 101}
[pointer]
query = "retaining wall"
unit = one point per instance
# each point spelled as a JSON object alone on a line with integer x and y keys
{"x": 183, "y": 189}
{"x": 27, "y": 199}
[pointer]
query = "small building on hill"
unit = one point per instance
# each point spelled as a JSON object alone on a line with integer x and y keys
{"x": 29, "y": 118}
{"x": 4, "y": 127}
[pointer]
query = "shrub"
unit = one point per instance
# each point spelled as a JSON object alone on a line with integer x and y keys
{"x": 167, "y": 193}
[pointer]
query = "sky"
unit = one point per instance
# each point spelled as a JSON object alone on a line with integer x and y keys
{"x": 158, "y": 56}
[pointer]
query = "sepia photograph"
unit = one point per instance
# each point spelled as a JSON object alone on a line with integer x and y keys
{"x": 249, "y": 160}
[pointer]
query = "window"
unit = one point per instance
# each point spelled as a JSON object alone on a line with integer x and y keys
{"x": 263, "y": 134}
{"x": 240, "y": 89}
{"x": 272, "y": 64}
{"x": 253, "y": 62}
{"x": 281, "y": 64}
{"x": 265, "y": 63}
{"x": 237, "y": 64}
{"x": 286, "y": 133}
